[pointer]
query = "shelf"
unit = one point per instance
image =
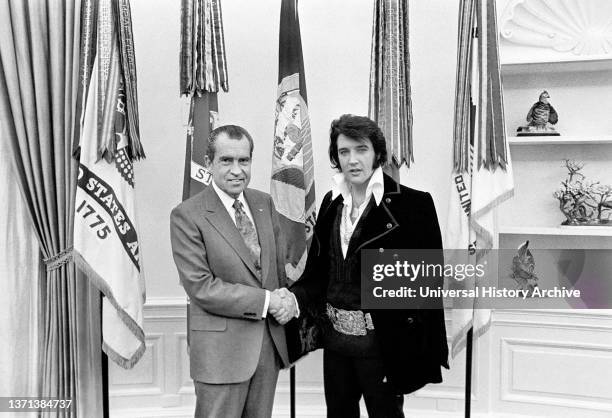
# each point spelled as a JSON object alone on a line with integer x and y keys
{"x": 595, "y": 63}
{"x": 559, "y": 140}
{"x": 595, "y": 231}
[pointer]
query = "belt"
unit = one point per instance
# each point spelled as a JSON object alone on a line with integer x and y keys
{"x": 350, "y": 322}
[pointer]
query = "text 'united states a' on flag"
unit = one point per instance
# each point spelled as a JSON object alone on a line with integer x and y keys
{"x": 106, "y": 242}
{"x": 482, "y": 171}
{"x": 292, "y": 185}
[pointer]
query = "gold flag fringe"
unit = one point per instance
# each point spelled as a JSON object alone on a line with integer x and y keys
{"x": 390, "y": 102}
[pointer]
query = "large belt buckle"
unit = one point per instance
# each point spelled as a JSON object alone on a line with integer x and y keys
{"x": 347, "y": 322}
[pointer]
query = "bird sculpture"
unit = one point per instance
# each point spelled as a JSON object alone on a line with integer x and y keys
{"x": 523, "y": 267}
{"x": 542, "y": 112}
{"x": 540, "y": 118}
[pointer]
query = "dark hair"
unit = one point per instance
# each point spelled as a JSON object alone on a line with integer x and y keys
{"x": 357, "y": 127}
{"x": 232, "y": 132}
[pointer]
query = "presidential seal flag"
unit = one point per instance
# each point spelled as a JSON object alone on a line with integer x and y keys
{"x": 292, "y": 187}
{"x": 106, "y": 244}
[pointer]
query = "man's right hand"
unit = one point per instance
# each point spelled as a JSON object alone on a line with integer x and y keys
{"x": 282, "y": 305}
{"x": 276, "y": 302}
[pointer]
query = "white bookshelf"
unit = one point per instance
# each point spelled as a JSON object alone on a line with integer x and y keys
{"x": 594, "y": 231}
{"x": 530, "y": 65}
{"x": 559, "y": 140}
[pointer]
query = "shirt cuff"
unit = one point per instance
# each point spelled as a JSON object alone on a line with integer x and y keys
{"x": 266, "y": 304}
{"x": 297, "y": 307}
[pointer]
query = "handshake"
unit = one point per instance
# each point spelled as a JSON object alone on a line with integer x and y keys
{"x": 282, "y": 305}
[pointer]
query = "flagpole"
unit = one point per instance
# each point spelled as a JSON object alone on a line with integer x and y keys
{"x": 292, "y": 161}
{"x": 468, "y": 373}
{"x": 105, "y": 403}
{"x": 292, "y": 392}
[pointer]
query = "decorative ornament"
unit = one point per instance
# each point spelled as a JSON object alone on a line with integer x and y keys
{"x": 582, "y": 27}
{"x": 540, "y": 119}
{"x": 523, "y": 267}
{"x": 583, "y": 202}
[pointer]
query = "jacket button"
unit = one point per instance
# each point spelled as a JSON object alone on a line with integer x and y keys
{"x": 388, "y": 200}
{"x": 381, "y": 250}
{"x": 389, "y": 226}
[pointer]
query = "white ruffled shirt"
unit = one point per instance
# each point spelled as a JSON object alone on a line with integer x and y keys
{"x": 375, "y": 187}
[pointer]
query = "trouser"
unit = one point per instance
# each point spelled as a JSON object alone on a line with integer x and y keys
{"x": 347, "y": 378}
{"x": 251, "y": 399}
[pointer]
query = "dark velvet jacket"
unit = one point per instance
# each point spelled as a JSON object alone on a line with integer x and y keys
{"x": 412, "y": 342}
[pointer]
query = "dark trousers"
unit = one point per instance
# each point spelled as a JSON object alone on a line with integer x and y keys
{"x": 347, "y": 378}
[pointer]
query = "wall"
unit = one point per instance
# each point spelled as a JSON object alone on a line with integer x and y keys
{"x": 517, "y": 367}
{"x": 336, "y": 38}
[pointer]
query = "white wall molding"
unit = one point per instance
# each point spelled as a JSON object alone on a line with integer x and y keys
{"x": 147, "y": 376}
{"x": 184, "y": 380}
{"x": 568, "y": 384}
{"x": 586, "y": 320}
{"x": 158, "y": 301}
{"x": 170, "y": 309}
{"x": 161, "y": 381}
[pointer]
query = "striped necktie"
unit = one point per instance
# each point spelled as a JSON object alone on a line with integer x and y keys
{"x": 248, "y": 232}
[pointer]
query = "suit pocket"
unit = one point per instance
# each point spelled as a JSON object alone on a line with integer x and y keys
{"x": 205, "y": 322}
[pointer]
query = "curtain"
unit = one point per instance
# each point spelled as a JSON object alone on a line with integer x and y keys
{"x": 20, "y": 293}
{"x": 39, "y": 72}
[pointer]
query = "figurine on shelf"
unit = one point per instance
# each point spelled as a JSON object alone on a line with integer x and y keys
{"x": 523, "y": 267}
{"x": 540, "y": 119}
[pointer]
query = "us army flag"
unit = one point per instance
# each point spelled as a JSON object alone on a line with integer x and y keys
{"x": 106, "y": 244}
{"x": 292, "y": 187}
{"x": 473, "y": 227}
{"x": 482, "y": 170}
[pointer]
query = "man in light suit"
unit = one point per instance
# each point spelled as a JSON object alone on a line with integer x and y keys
{"x": 227, "y": 249}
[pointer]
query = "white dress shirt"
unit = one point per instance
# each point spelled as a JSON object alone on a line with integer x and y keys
{"x": 347, "y": 225}
{"x": 228, "y": 203}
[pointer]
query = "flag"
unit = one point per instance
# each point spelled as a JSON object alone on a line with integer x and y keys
{"x": 292, "y": 185}
{"x": 390, "y": 104}
{"x": 202, "y": 120}
{"x": 203, "y": 72}
{"x": 482, "y": 171}
{"x": 106, "y": 243}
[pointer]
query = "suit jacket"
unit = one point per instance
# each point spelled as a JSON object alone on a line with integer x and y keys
{"x": 413, "y": 342}
{"x": 226, "y": 289}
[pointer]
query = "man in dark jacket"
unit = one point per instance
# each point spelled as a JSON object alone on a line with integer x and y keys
{"x": 377, "y": 354}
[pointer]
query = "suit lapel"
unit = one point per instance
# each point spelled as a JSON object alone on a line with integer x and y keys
{"x": 263, "y": 225}
{"x": 217, "y": 215}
